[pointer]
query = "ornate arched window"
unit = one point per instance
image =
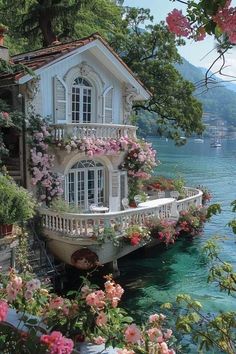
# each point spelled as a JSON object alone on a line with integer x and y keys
{"x": 85, "y": 184}
{"x": 82, "y": 100}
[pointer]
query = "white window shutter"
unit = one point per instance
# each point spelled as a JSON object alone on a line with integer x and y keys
{"x": 115, "y": 177}
{"x": 108, "y": 106}
{"x": 59, "y": 100}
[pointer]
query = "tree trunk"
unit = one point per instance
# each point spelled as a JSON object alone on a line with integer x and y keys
{"x": 45, "y": 25}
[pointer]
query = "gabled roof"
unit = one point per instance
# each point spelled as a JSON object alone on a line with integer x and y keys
{"x": 40, "y": 58}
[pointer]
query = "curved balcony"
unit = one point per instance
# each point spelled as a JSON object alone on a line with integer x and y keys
{"x": 68, "y": 232}
{"x": 86, "y": 225}
{"x": 92, "y": 130}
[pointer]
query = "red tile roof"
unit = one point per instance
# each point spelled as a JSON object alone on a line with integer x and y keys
{"x": 38, "y": 58}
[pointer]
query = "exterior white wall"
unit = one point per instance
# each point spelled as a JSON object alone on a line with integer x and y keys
{"x": 61, "y": 69}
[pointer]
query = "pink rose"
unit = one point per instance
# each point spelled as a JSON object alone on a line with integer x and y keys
{"x": 3, "y": 310}
{"x": 132, "y": 334}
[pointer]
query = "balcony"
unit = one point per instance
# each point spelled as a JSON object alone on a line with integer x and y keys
{"x": 93, "y": 130}
{"x": 67, "y": 232}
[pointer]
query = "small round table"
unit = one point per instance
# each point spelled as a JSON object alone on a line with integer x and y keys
{"x": 100, "y": 209}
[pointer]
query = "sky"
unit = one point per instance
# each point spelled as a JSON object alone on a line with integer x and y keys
{"x": 197, "y": 53}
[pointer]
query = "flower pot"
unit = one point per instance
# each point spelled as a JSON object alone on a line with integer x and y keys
{"x": 6, "y": 230}
{"x": 89, "y": 348}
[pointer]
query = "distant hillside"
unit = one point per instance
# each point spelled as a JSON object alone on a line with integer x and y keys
{"x": 218, "y": 100}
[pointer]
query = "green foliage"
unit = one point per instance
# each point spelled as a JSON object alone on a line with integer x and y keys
{"x": 208, "y": 332}
{"x": 221, "y": 272}
{"x": 150, "y": 53}
{"x": 61, "y": 206}
{"x": 213, "y": 209}
{"x": 16, "y": 203}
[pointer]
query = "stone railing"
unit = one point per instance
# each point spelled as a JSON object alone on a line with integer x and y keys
{"x": 194, "y": 197}
{"x": 87, "y": 225}
{"x": 92, "y": 130}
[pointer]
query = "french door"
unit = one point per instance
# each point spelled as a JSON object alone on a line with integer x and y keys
{"x": 81, "y": 101}
{"x": 85, "y": 184}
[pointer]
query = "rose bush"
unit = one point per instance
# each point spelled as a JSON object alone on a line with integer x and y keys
{"x": 90, "y": 314}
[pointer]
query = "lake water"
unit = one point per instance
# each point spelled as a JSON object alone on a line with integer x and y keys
{"x": 157, "y": 275}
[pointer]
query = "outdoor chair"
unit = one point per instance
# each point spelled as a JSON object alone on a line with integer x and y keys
{"x": 137, "y": 199}
{"x": 174, "y": 194}
{"x": 125, "y": 203}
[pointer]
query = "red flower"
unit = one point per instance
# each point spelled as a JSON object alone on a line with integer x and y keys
{"x": 135, "y": 240}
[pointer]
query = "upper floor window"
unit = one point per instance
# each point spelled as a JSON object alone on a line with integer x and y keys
{"x": 82, "y": 94}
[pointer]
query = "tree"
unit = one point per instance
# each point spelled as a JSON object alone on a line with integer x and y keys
{"x": 41, "y": 22}
{"x": 149, "y": 52}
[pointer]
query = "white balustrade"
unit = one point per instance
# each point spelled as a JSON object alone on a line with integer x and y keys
{"x": 194, "y": 197}
{"x": 89, "y": 225}
{"x": 92, "y": 130}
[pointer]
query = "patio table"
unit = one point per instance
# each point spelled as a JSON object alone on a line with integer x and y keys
{"x": 156, "y": 202}
{"x": 100, "y": 209}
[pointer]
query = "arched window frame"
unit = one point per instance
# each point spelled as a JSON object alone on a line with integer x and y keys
{"x": 82, "y": 101}
{"x": 78, "y": 175}
{"x": 87, "y": 72}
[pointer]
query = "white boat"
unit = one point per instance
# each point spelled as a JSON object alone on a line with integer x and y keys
{"x": 216, "y": 143}
{"x": 199, "y": 140}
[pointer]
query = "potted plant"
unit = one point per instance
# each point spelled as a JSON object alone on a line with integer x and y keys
{"x": 16, "y": 205}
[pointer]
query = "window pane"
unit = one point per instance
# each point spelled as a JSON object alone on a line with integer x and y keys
{"x": 71, "y": 188}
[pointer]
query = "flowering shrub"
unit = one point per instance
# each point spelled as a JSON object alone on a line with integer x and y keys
{"x": 41, "y": 163}
{"x": 159, "y": 183}
{"x": 135, "y": 234}
{"x": 191, "y": 221}
{"x": 163, "y": 230}
{"x": 7, "y": 119}
{"x": 151, "y": 339}
{"x": 206, "y": 196}
{"x": 214, "y": 19}
{"x": 139, "y": 160}
{"x": 90, "y": 314}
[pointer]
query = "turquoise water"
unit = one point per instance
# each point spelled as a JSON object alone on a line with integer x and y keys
{"x": 157, "y": 275}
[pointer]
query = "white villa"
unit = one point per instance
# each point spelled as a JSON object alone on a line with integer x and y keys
{"x": 85, "y": 92}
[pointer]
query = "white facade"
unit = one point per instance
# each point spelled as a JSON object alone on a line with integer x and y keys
{"x": 88, "y": 90}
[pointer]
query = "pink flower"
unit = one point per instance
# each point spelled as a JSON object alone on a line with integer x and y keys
{"x": 56, "y": 303}
{"x": 99, "y": 340}
{"x": 164, "y": 348}
{"x": 153, "y": 334}
{"x": 56, "y": 343}
{"x": 3, "y": 310}
{"x": 125, "y": 351}
{"x": 153, "y": 318}
{"x": 28, "y": 294}
{"x": 16, "y": 283}
{"x": 33, "y": 284}
{"x": 101, "y": 319}
{"x": 201, "y": 34}
{"x": 11, "y": 292}
{"x": 178, "y": 23}
{"x": 96, "y": 299}
{"x": 132, "y": 334}
{"x": 226, "y": 20}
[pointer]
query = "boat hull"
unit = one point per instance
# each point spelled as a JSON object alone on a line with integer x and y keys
{"x": 70, "y": 250}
